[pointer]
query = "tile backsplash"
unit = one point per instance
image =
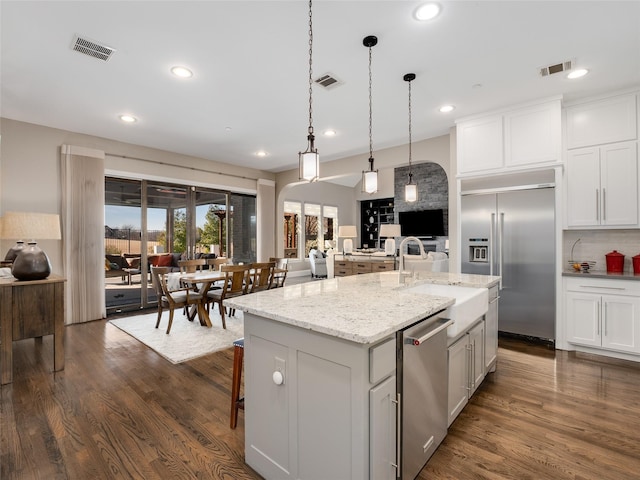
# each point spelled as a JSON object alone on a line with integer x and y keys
{"x": 595, "y": 244}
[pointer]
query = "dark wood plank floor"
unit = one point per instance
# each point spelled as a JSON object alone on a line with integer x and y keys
{"x": 119, "y": 410}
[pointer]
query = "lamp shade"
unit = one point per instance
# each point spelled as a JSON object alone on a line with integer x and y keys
{"x": 30, "y": 226}
{"x": 347, "y": 231}
{"x": 390, "y": 230}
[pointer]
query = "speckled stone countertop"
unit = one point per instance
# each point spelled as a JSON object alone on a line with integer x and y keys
{"x": 602, "y": 274}
{"x": 359, "y": 308}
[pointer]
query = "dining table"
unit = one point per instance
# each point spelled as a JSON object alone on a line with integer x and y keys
{"x": 202, "y": 280}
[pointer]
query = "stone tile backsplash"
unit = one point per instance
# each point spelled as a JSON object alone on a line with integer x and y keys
{"x": 595, "y": 244}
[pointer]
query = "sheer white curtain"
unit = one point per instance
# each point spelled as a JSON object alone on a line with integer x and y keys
{"x": 82, "y": 175}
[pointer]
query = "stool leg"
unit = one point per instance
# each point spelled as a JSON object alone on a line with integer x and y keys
{"x": 238, "y": 354}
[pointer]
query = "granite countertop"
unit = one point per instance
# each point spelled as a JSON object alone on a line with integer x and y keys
{"x": 359, "y": 308}
{"x": 602, "y": 274}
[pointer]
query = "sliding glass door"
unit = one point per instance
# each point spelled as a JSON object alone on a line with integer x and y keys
{"x": 145, "y": 220}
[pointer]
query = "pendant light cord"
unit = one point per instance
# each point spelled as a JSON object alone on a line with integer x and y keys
{"x": 370, "y": 115}
{"x": 310, "y": 69}
{"x": 409, "y": 128}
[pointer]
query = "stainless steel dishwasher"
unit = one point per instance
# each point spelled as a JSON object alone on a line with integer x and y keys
{"x": 423, "y": 386}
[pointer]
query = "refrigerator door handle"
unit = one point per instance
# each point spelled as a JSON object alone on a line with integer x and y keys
{"x": 492, "y": 242}
{"x": 500, "y": 249}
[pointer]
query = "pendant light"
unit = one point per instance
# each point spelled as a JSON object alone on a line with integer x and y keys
{"x": 370, "y": 177}
{"x": 309, "y": 160}
{"x": 410, "y": 189}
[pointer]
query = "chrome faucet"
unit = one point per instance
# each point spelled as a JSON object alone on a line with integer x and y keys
{"x": 402, "y": 244}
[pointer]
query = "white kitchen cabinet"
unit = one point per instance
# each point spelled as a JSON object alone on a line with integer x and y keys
{"x": 480, "y": 144}
{"x": 532, "y": 135}
{"x": 491, "y": 331}
{"x": 383, "y": 435}
{"x": 324, "y": 417}
{"x": 603, "y": 314}
{"x": 602, "y": 121}
{"x": 602, "y": 186}
{"x": 466, "y": 364}
{"x": 514, "y": 139}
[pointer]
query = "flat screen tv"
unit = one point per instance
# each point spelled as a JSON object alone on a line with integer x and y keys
{"x": 422, "y": 223}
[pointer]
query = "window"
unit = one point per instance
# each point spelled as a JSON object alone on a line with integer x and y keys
{"x": 292, "y": 214}
{"x": 311, "y": 225}
{"x": 330, "y": 227}
{"x": 312, "y": 234}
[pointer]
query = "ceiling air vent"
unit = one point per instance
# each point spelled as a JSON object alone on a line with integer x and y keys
{"x": 328, "y": 81}
{"x": 91, "y": 48}
{"x": 557, "y": 68}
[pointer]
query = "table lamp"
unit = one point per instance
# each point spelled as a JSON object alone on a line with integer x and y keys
{"x": 390, "y": 230}
{"x": 31, "y": 263}
{"x": 347, "y": 232}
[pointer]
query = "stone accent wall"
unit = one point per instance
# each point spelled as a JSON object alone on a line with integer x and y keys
{"x": 433, "y": 192}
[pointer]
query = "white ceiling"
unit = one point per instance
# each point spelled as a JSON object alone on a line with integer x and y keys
{"x": 250, "y": 61}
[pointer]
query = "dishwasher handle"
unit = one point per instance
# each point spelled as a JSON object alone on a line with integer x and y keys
{"x": 433, "y": 329}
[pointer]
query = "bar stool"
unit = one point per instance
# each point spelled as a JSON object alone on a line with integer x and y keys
{"x": 236, "y": 401}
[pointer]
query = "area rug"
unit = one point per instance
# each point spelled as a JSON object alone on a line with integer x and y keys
{"x": 187, "y": 340}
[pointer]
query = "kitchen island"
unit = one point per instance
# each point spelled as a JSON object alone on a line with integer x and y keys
{"x": 320, "y": 371}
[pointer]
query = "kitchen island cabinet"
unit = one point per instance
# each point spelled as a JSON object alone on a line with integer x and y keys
{"x": 320, "y": 372}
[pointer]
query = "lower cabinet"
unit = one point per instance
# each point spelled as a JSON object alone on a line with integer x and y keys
{"x": 603, "y": 314}
{"x": 312, "y": 401}
{"x": 491, "y": 331}
{"x": 466, "y": 359}
{"x": 382, "y": 431}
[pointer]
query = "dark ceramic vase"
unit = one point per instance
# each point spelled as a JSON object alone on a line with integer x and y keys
{"x": 31, "y": 264}
{"x": 14, "y": 251}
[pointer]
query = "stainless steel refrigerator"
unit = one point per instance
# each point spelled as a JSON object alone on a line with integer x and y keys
{"x": 511, "y": 233}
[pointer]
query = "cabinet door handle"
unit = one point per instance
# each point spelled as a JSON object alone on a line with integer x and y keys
{"x": 469, "y": 349}
{"x": 599, "y": 314}
{"x": 604, "y": 204}
{"x": 398, "y": 434}
{"x": 597, "y": 204}
{"x": 604, "y": 317}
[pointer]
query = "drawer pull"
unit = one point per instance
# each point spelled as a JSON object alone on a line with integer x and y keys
{"x": 606, "y": 288}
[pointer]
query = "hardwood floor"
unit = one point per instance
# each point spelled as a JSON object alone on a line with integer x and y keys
{"x": 119, "y": 410}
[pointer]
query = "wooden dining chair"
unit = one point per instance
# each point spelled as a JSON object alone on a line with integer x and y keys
{"x": 280, "y": 272}
{"x": 191, "y": 266}
{"x": 234, "y": 284}
{"x": 214, "y": 263}
{"x": 261, "y": 276}
{"x": 168, "y": 298}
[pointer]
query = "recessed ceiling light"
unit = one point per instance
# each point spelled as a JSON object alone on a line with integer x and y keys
{"x": 427, "y": 11}
{"x": 261, "y": 153}
{"x": 580, "y": 72}
{"x": 447, "y": 108}
{"x": 128, "y": 118}
{"x": 182, "y": 72}
{"x": 329, "y": 133}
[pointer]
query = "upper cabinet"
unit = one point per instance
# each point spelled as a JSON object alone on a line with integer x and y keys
{"x": 603, "y": 121}
{"x": 602, "y": 163}
{"x": 510, "y": 140}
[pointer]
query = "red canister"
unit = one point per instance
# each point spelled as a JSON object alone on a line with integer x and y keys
{"x": 636, "y": 264}
{"x": 615, "y": 262}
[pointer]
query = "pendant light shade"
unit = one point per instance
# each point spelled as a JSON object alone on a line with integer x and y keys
{"x": 309, "y": 160}
{"x": 410, "y": 189}
{"x": 370, "y": 177}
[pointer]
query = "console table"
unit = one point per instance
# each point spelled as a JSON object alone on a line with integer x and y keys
{"x": 30, "y": 309}
{"x": 357, "y": 264}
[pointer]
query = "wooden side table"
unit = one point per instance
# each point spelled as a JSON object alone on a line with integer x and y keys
{"x": 30, "y": 309}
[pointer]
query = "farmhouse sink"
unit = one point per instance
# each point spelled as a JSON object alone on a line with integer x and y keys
{"x": 471, "y": 303}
